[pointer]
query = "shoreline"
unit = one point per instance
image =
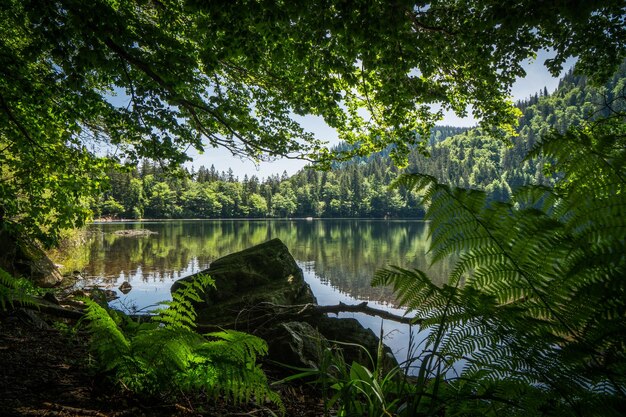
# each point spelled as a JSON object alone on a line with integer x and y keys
{"x": 391, "y": 219}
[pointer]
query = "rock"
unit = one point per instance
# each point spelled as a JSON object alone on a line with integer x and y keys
{"x": 25, "y": 259}
{"x": 251, "y": 285}
{"x": 297, "y": 344}
{"x": 100, "y": 295}
{"x": 79, "y": 294}
{"x": 301, "y": 344}
{"x": 51, "y": 298}
{"x": 350, "y": 331}
{"x": 109, "y": 295}
{"x": 125, "y": 287}
{"x": 250, "y": 281}
{"x": 135, "y": 232}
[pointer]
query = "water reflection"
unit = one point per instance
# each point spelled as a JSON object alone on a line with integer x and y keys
{"x": 338, "y": 257}
{"x": 343, "y": 254}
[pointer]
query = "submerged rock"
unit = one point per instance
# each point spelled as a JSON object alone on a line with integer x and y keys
{"x": 125, "y": 287}
{"x": 135, "y": 232}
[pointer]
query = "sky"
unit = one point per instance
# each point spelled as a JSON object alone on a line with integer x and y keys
{"x": 537, "y": 77}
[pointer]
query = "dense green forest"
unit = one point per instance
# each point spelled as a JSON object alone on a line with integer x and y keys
{"x": 360, "y": 188}
{"x": 477, "y": 160}
{"x": 348, "y": 190}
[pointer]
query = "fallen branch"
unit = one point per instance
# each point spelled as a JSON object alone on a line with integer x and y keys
{"x": 73, "y": 410}
{"x": 308, "y": 309}
{"x": 262, "y": 314}
{"x": 364, "y": 308}
{"x": 52, "y": 309}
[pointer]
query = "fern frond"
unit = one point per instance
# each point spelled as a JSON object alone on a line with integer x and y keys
{"x": 419, "y": 182}
{"x": 230, "y": 365}
{"x": 167, "y": 357}
{"x": 413, "y": 288}
{"x": 110, "y": 345}
{"x": 180, "y": 312}
{"x": 15, "y": 291}
{"x": 238, "y": 345}
{"x": 543, "y": 275}
{"x": 166, "y": 349}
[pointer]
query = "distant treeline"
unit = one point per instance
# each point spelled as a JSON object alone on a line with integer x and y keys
{"x": 359, "y": 188}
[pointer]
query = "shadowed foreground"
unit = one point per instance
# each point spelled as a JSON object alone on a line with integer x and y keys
{"x": 44, "y": 372}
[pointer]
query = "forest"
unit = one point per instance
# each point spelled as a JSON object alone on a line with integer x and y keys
{"x": 101, "y": 103}
{"x": 360, "y": 188}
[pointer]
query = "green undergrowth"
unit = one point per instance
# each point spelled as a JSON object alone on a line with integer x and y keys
{"x": 355, "y": 389}
{"x": 167, "y": 358}
{"x": 16, "y": 291}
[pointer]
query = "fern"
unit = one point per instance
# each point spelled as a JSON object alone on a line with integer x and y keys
{"x": 233, "y": 354}
{"x": 166, "y": 357}
{"x": 535, "y": 300}
{"x": 180, "y": 311}
{"x": 15, "y": 291}
{"x": 108, "y": 342}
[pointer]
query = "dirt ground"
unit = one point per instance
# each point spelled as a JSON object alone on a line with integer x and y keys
{"x": 46, "y": 372}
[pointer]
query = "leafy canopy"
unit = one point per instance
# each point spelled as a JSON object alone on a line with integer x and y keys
{"x": 154, "y": 78}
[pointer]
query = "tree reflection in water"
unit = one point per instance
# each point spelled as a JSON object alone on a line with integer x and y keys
{"x": 343, "y": 254}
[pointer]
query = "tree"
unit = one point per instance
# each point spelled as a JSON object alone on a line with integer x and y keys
{"x": 150, "y": 79}
{"x": 258, "y": 206}
{"x": 230, "y": 198}
{"x": 162, "y": 202}
{"x": 200, "y": 201}
{"x": 111, "y": 207}
{"x": 283, "y": 205}
{"x": 136, "y": 199}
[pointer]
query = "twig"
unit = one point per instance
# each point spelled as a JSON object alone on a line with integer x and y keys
{"x": 80, "y": 411}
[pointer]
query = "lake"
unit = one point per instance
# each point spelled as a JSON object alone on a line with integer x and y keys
{"x": 338, "y": 258}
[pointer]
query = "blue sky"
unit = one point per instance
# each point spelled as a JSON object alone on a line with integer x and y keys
{"x": 537, "y": 77}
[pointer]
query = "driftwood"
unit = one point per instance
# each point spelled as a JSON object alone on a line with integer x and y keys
{"x": 263, "y": 314}
{"x": 364, "y": 308}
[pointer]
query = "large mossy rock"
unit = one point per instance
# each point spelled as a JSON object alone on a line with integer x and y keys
{"x": 250, "y": 282}
{"x": 252, "y": 290}
{"x": 25, "y": 259}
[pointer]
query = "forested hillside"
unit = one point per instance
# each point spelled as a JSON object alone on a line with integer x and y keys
{"x": 476, "y": 160}
{"x": 356, "y": 189}
{"x": 458, "y": 156}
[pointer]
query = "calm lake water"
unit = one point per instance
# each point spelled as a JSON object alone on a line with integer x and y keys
{"x": 338, "y": 257}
